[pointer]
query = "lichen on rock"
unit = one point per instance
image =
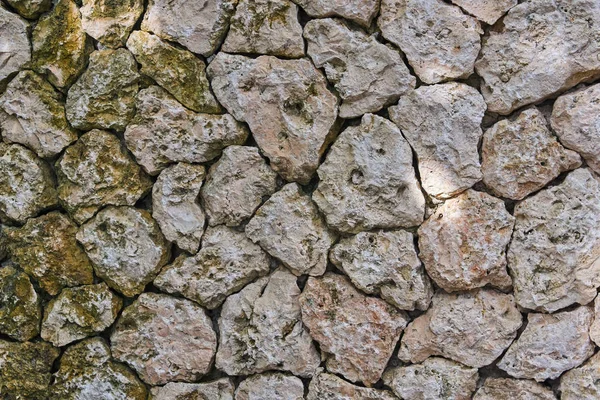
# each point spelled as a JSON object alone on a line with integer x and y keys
{"x": 20, "y": 305}
{"x": 110, "y": 22}
{"x": 30, "y": 9}
{"x": 221, "y": 389}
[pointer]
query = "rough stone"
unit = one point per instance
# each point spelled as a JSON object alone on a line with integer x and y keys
{"x": 385, "y": 264}
{"x": 261, "y": 329}
{"x": 550, "y": 345}
{"x": 30, "y": 9}
{"x": 554, "y": 254}
{"x": 221, "y": 389}
{"x": 511, "y": 389}
{"x": 20, "y": 309}
{"x": 15, "y": 48}
{"x": 368, "y": 181}
{"x": 442, "y": 123}
{"x": 329, "y": 387}
{"x": 288, "y": 226}
{"x": 488, "y": 11}
{"x": 286, "y": 104}
{"x": 520, "y": 157}
{"x": 126, "y": 247}
{"x": 595, "y": 327}
{"x": 165, "y": 339}
{"x": 236, "y": 185}
{"x": 359, "y": 11}
{"x": 473, "y": 328}
{"x": 97, "y": 171}
{"x": 270, "y": 386}
{"x": 163, "y": 132}
{"x": 357, "y": 332}
{"x": 582, "y": 383}
{"x": 543, "y": 48}
{"x": 226, "y": 263}
{"x": 109, "y": 22}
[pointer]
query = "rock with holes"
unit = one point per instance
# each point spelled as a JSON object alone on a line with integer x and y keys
{"x": 488, "y": 11}
{"x": 326, "y": 386}
{"x": 359, "y": 11}
{"x": 20, "y": 305}
{"x": 595, "y": 327}
{"x": 110, "y": 23}
{"x": 583, "y": 382}
{"x": 16, "y": 51}
{"x": 30, "y": 9}
{"x": 510, "y": 389}
{"x": 221, "y": 389}
{"x": 272, "y": 385}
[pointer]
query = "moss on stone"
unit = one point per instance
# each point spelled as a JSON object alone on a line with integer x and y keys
{"x": 20, "y": 310}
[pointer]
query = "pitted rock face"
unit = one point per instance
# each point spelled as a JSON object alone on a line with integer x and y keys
{"x": 221, "y": 389}
{"x": 582, "y": 383}
{"x": 359, "y": 11}
{"x": 16, "y": 52}
{"x": 30, "y": 9}
{"x": 20, "y": 305}
{"x": 510, "y": 389}
{"x": 326, "y": 386}
{"x": 270, "y": 386}
{"x": 488, "y": 11}
{"x": 595, "y": 327}
{"x": 109, "y": 22}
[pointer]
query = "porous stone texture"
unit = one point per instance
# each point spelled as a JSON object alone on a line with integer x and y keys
{"x": 30, "y": 9}
{"x": 326, "y": 386}
{"x": 109, "y": 22}
{"x": 510, "y": 389}
{"x": 595, "y": 327}
{"x": 20, "y": 305}
{"x": 221, "y": 389}
{"x": 360, "y": 11}
{"x": 582, "y": 383}
{"x": 270, "y": 385}
{"x": 488, "y": 11}
{"x": 16, "y": 51}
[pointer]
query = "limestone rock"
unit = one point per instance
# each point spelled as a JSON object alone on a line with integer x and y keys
{"x": 226, "y": 263}
{"x": 109, "y": 22}
{"x": 104, "y": 95}
{"x": 178, "y": 71}
{"x": 511, "y": 389}
{"x": 15, "y": 44}
{"x": 488, "y": 11}
{"x": 20, "y": 310}
{"x": 359, "y": 11}
{"x": 270, "y": 386}
{"x": 165, "y": 339}
{"x": 595, "y": 327}
{"x": 434, "y": 379}
{"x": 473, "y": 328}
{"x": 357, "y": 332}
{"x": 126, "y": 247}
{"x": 236, "y": 185}
{"x": 46, "y": 249}
{"x": 582, "y": 383}
{"x": 442, "y": 123}
{"x": 329, "y": 387}
{"x": 175, "y": 208}
{"x": 221, "y": 389}
{"x": 550, "y": 345}
{"x": 164, "y": 132}
{"x": 368, "y": 181}
{"x": 554, "y": 254}
{"x": 286, "y": 104}
{"x": 200, "y": 26}
{"x": 78, "y": 313}
{"x": 261, "y": 329}
{"x": 385, "y": 263}
{"x": 97, "y": 171}
{"x": 440, "y": 42}
{"x": 30, "y": 9}
{"x": 542, "y": 49}
{"x": 288, "y": 226}
{"x": 520, "y": 157}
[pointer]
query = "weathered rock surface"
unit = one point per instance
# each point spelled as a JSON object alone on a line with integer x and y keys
{"x": 359, "y": 11}
{"x": 582, "y": 383}
{"x": 30, "y": 9}
{"x": 595, "y": 327}
{"x": 286, "y": 104}
{"x": 236, "y": 185}
{"x": 357, "y": 332}
{"x": 175, "y": 206}
{"x": 543, "y": 48}
{"x": 163, "y": 132}
{"x": 270, "y": 386}
{"x": 440, "y": 42}
{"x": 288, "y": 226}
{"x": 104, "y": 95}
{"x": 434, "y": 379}
{"x": 386, "y": 264}
{"x": 165, "y": 339}
{"x": 511, "y": 389}
{"x": 227, "y": 262}
{"x": 221, "y": 389}
{"x": 16, "y": 51}
{"x": 488, "y": 11}
{"x": 261, "y": 329}
{"x": 520, "y": 157}
{"x": 554, "y": 254}
{"x": 97, "y": 171}
{"x": 78, "y": 313}
{"x": 550, "y": 345}
{"x": 126, "y": 247}
{"x": 20, "y": 310}
{"x": 473, "y": 328}
{"x": 109, "y": 22}
{"x": 442, "y": 123}
{"x": 329, "y": 387}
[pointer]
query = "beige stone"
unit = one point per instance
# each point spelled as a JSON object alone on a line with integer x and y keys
{"x": 488, "y": 11}
{"x": 326, "y": 386}
{"x": 221, "y": 389}
{"x": 20, "y": 305}
{"x": 16, "y": 51}
{"x": 511, "y": 389}
{"x": 359, "y": 11}
{"x": 583, "y": 382}
{"x": 109, "y": 22}
{"x": 270, "y": 386}
{"x": 595, "y": 327}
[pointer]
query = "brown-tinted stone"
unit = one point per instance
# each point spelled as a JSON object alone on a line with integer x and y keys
{"x": 20, "y": 308}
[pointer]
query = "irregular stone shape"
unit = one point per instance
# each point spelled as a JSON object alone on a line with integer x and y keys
{"x": 550, "y": 345}
{"x": 440, "y": 42}
{"x": 126, "y": 247}
{"x": 554, "y": 254}
{"x": 463, "y": 244}
{"x": 200, "y": 26}
{"x": 236, "y": 185}
{"x": 359, "y": 11}
{"x": 97, "y": 171}
{"x": 582, "y": 383}
{"x": 261, "y": 329}
{"x": 31, "y": 9}
{"x": 221, "y": 389}
{"x": 15, "y": 44}
{"x": 442, "y": 123}
{"x": 78, "y": 313}
{"x": 46, "y": 249}
{"x": 329, "y": 387}
{"x": 60, "y": 45}
{"x": 576, "y": 121}
{"x": 367, "y": 74}
{"x": 368, "y": 181}
{"x": 349, "y": 326}
{"x": 174, "y": 205}
{"x": 108, "y": 22}
{"x": 473, "y": 328}
{"x": 287, "y": 105}
{"x": 385, "y": 264}
{"x": 520, "y": 157}
{"x": 227, "y": 262}
{"x": 434, "y": 379}
{"x": 542, "y": 48}
{"x": 104, "y": 95}
{"x": 27, "y": 185}
{"x": 270, "y": 386}
{"x": 595, "y": 327}
{"x": 178, "y": 71}
{"x": 288, "y": 226}
{"x": 265, "y": 27}
{"x": 20, "y": 309}
{"x": 511, "y": 389}
{"x": 163, "y": 132}
{"x": 488, "y": 11}
{"x": 86, "y": 371}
